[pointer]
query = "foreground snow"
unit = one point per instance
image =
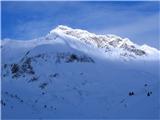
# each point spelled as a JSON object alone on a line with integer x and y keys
{"x": 61, "y": 76}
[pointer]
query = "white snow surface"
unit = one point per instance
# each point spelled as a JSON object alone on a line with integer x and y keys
{"x": 74, "y": 74}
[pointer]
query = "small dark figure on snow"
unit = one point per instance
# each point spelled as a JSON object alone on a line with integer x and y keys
{"x": 131, "y": 93}
{"x": 145, "y": 85}
{"x": 149, "y": 93}
{"x": 45, "y": 106}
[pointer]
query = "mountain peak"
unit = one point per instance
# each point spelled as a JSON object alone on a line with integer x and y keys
{"x": 70, "y": 31}
{"x": 63, "y": 27}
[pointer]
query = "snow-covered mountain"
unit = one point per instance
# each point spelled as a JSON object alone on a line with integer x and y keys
{"x": 73, "y": 74}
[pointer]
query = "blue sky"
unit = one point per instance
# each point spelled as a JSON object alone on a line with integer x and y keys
{"x": 139, "y": 21}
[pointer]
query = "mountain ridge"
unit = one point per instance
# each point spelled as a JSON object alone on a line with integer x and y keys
{"x": 107, "y": 42}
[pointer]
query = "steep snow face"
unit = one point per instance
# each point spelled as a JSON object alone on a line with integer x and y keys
{"x": 113, "y": 45}
{"x": 62, "y": 76}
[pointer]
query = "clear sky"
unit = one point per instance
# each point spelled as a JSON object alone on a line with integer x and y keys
{"x": 139, "y": 21}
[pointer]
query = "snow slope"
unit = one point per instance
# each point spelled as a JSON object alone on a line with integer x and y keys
{"x": 71, "y": 75}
